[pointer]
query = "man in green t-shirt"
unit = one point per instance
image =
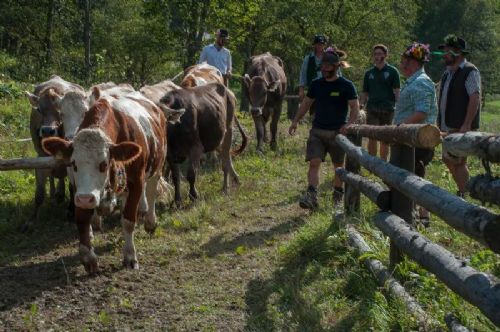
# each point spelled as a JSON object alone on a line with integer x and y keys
{"x": 380, "y": 92}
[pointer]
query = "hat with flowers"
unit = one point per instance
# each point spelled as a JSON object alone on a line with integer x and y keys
{"x": 418, "y": 51}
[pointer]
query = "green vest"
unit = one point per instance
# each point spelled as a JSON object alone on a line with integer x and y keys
{"x": 312, "y": 70}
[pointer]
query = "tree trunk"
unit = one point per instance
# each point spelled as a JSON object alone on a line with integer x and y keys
{"x": 29, "y": 163}
{"x": 480, "y": 289}
{"x": 385, "y": 278}
{"x": 485, "y": 189}
{"x": 48, "y": 35}
{"x": 86, "y": 41}
{"x": 371, "y": 189}
{"x": 472, "y": 220}
{"x": 482, "y": 145}
{"x": 415, "y": 135}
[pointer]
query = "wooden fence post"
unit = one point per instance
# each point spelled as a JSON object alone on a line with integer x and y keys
{"x": 352, "y": 195}
{"x": 402, "y": 156}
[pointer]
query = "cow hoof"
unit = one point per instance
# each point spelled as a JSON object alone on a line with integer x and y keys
{"x": 131, "y": 264}
{"x": 274, "y": 146}
{"x": 88, "y": 259}
{"x": 260, "y": 151}
{"x": 178, "y": 204}
{"x": 150, "y": 227}
{"x": 193, "y": 195}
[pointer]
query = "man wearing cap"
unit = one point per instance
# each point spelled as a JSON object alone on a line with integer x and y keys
{"x": 381, "y": 88}
{"x": 218, "y": 56}
{"x": 459, "y": 102}
{"x": 333, "y": 97}
{"x": 417, "y": 104}
{"x": 310, "y": 68}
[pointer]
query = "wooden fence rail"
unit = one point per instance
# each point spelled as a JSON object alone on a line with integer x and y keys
{"x": 480, "y": 289}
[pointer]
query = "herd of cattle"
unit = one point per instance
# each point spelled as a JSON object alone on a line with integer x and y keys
{"x": 118, "y": 143}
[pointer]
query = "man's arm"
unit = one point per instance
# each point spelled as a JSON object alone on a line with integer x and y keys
{"x": 417, "y": 117}
{"x": 353, "y": 114}
{"x": 304, "y": 107}
{"x": 396, "y": 93}
{"x": 229, "y": 65}
{"x": 203, "y": 56}
{"x": 472, "y": 109}
{"x": 363, "y": 99}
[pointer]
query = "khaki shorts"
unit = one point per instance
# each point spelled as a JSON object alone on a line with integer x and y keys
{"x": 448, "y": 158}
{"x": 379, "y": 118}
{"x": 321, "y": 142}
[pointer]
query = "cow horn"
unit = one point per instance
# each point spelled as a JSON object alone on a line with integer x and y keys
{"x": 172, "y": 114}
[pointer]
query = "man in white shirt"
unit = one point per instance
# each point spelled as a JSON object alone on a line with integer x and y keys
{"x": 218, "y": 56}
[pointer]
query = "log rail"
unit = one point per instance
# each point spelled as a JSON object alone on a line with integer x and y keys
{"x": 407, "y": 189}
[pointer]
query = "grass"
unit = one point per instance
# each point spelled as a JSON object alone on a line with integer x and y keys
{"x": 250, "y": 261}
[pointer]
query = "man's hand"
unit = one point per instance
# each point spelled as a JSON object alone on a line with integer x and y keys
{"x": 293, "y": 128}
{"x": 228, "y": 75}
{"x": 465, "y": 128}
{"x": 343, "y": 129}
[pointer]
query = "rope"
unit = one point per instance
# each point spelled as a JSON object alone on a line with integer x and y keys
{"x": 21, "y": 140}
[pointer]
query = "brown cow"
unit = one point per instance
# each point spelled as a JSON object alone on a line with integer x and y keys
{"x": 45, "y": 121}
{"x": 120, "y": 145}
{"x": 265, "y": 87}
{"x": 201, "y": 74}
{"x": 206, "y": 125}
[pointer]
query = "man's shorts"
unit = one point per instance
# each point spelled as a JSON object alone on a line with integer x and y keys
{"x": 379, "y": 117}
{"x": 321, "y": 142}
{"x": 448, "y": 158}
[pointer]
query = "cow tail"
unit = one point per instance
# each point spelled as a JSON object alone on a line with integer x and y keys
{"x": 244, "y": 138}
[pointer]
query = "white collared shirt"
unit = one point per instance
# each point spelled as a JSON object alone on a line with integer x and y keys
{"x": 220, "y": 59}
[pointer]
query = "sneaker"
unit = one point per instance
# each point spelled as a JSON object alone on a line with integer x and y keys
{"x": 309, "y": 200}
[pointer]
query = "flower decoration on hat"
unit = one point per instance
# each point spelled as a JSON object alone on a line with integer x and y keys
{"x": 418, "y": 51}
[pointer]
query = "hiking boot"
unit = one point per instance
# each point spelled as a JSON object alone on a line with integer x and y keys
{"x": 309, "y": 200}
{"x": 338, "y": 195}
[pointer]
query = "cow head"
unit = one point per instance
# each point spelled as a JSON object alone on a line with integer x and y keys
{"x": 47, "y": 104}
{"x": 90, "y": 155}
{"x": 74, "y": 105}
{"x": 258, "y": 88}
{"x": 171, "y": 107}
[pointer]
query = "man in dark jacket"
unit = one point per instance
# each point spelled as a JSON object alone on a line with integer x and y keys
{"x": 459, "y": 102}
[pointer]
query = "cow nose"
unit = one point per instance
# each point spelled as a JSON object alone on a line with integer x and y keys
{"x": 256, "y": 111}
{"x": 86, "y": 201}
{"x": 48, "y": 131}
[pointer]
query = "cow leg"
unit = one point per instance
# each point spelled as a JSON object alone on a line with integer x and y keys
{"x": 128, "y": 220}
{"x": 259, "y": 130}
{"x": 151, "y": 195}
{"x": 194, "y": 163}
{"x": 70, "y": 210}
{"x": 96, "y": 221}
{"x": 176, "y": 178}
{"x": 143, "y": 206}
{"x": 60, "y": 191}
{"x": 274, "y": 127}
{"x": 40, "y": 179}
{"x": 86, "y": 251}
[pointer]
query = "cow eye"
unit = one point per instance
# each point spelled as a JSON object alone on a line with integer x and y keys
{"x": 75, "y": 169}
{"x": 103, "y": 166}
{"x": 39, "y": 110}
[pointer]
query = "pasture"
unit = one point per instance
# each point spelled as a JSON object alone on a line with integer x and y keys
{"x": 252, "y": 260}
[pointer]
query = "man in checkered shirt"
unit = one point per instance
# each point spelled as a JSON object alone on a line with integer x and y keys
{"x": 459, "y": 102}
{"x": 417, "y": 103}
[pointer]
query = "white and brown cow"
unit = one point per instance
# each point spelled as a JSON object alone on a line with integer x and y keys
{"x": 265, "y": 87}
{"x": 120, "y": 145}
{"x": 201, "y": 74}
{"x": 45, "y": 121}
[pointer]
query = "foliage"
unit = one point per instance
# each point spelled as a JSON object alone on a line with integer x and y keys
{"x": 146, "y": 41}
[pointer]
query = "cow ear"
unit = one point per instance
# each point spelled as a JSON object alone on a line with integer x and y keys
{"x": 126, "y": 152}
{"x": 273, "y": 85}
{"x": 96, "y": 93}
{"x": 188, "y": 82}
{"x": 57, "y": 147}
{"x": 33, "y": 99}
{"x": 247, "y": 80}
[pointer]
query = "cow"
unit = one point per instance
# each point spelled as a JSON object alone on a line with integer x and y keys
{"x": 120, "y": 145}
{"x": 265, "y": 87}
{"x": 205, "y": 125}
{"x": 201, "y": 74}
{"x": 45, "y": 121}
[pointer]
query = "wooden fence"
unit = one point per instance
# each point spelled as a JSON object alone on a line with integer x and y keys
{"x": 396, "y": 205}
